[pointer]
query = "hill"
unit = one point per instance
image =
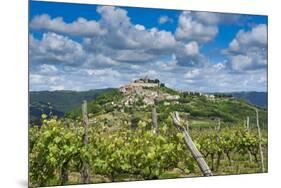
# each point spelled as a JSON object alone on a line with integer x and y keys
{"x": 134, "y": 102}
{"x": 256, "y": 98}
{"x": 59, "y": 101}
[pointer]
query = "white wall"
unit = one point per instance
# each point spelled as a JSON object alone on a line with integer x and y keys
{"x": 13, "y": 82}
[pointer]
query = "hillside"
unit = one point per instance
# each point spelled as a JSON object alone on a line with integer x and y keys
{"x": 257, "y": 98}
{"x": 59, "y": 101}
{"x": 134, "y": 102}
{"x": 199, "y": 107}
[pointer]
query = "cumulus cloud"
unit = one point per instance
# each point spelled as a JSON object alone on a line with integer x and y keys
{"x": 47, "y": 69}
{"x": 248, "y": 50}
{"x": 139, "y": 27}
{"x": 256, "y": 37}
{"x": 114, "y": 16}
{"x": 133, "y": 43}
{"x": 54, "y": 48}
{"x": 189, "y": 28}
{"x": 79, "y": 27}
{"x": 164, "y": 19}
{"x": 99, "y": 60}
{"x": 211, "y": 18}
{"x": 202, "y": 26}
{"x": 39, "y": 81}
{"x": 113, "y": 51}
{"x": 73, "y": 78}
{"x": 211, "y": 78}
{"x": 134, "y": 56}
{"x": 248, "y": 61}
{"x": 104, "y": 72}
{"x": 125, "y": 35}
{"x": 124, "y": 41}
{"x": 193, "y": 73}
{"x": 192, "y": 48}
{"x": 168, "y": 65}
{"x": 218, "y": 78}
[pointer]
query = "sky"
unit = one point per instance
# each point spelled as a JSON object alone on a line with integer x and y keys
{"x": 83, "y": 47}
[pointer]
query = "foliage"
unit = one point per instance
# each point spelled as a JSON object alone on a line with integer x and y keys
{"x": 51, "y": 145}
{"x": 138, "y": 153}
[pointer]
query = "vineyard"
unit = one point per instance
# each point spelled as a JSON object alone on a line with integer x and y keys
{"x": 66, "y": 151}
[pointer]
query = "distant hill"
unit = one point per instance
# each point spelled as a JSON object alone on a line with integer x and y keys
{"x": 256, "y": 98}
{"x": 60, "y": 101}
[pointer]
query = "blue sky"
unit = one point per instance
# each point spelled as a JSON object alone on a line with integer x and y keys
{"x": 82, "y": 47}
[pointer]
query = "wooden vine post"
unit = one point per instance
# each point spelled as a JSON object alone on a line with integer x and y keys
{"x": 260, "y": 147}
{"x": 85, "y": 172}
{"x": 154, "y": 121}
{"x": 187, "y": 123}
{"x": 191, "y": 146}
{"x": 248, "y": 129}
{"x": 218, "y": 127}
{"x": 248, "y": 123}
{"x": 64, "y": 173}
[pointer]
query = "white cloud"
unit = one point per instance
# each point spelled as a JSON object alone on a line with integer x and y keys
{"x": 164, "y": 19}
{"x": 149, "y": 73}
{"x": 99, "y": 60}
{"x": 129, "y": 36}
{"x": 57, "y": 87}
{"x": 35, "y": 79}
{"x": 103, "y": 72}
{"x": 240, "y": 62}
{"x": 45, "y": 82}
{"x": 134, "y": 56}
{"x": 135, "y": 67}
{"x": 125, "y": 42}
{"x": 192, "y": 48}
{"x": 262, "y": 79}
{"x": 160, "y": 39}
{"x": 113, "y": 16}
{"x": 234, "y": 46}
{"x": 189, "y": 28}
{"x": 208, "y": 17}
{"x": 128, "y": 42}
{"x": 139, "y": 27}
{"x": 219, "y": 66}
{"x": 256, "y": 36}
{"x": 248, "y": 50}
{"x": 46, "y": 69}
{"x": 209, "y": 78}
{"x": 212, "y": 18}
{"x": 168, "y": 65}
{"x": 54, "y": 48}
{"x": 192, "y": 73}
{"x": 129, "y": 51}
{"x": 217, "y": 78}
{"x": 79, "y": 27}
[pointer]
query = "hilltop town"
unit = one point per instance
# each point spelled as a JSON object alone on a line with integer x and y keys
{"x": 147, "y": 90}
{"x": 151, "y": 91}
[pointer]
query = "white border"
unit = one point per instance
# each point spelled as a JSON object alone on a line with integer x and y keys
{"x": 13, "y": 82}
{"x": 232, "y": 6}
